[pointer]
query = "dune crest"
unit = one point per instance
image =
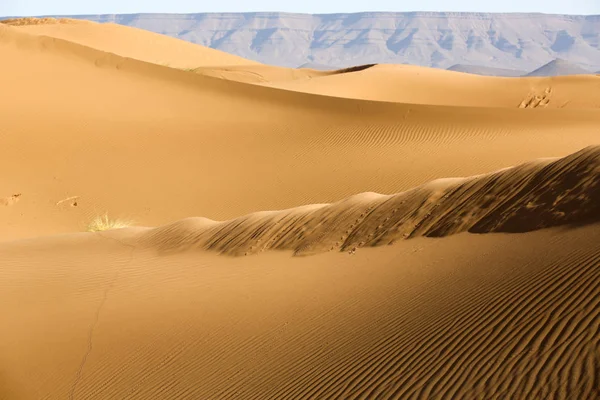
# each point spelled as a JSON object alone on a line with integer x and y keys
{"x": 531, "y": 196}
{"x": 422, "y": 85}
{"x": 129, "y": 42}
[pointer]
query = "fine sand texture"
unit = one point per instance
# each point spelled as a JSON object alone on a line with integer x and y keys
{"x": 494, "y": 316}
{"x": 377, "y": 232}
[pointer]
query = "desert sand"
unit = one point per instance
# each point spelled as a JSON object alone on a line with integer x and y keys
{"x": 418, "y": 85}
{"x": 384, "y": 231}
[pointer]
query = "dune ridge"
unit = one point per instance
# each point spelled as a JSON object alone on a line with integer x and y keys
{"x": 421, "y": 85}
{"x": 535, "y": 195}
{"x": 129, "y": 42}
{"x": 393, "y": 83}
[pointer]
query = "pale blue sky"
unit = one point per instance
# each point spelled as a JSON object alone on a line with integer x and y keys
{"x": 48, "y": 7}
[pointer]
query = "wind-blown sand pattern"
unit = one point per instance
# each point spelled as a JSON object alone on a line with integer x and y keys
{"x": 435, "y": 243}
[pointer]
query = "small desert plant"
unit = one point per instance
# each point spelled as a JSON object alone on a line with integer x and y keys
{"x": 104, "y": 223}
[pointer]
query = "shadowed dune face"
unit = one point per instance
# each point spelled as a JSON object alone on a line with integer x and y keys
{"x": 267, "y": 74}
{"x": 532, "y": 196}
{"x": 357, "y": 68}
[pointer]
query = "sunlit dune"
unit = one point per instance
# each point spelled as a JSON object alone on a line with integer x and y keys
{"x": 413, "y": 84}
{"x": 129, "y": 42}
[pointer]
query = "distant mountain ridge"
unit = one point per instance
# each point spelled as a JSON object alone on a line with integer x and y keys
{"x": 488, "y": 71}
{"x": 505, "y": 41}
{"x": 559, "y": 67}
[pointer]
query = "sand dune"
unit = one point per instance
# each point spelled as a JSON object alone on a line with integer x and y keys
{"x": 397, "y": 83}
{"x": 532, "y": 196}
{"x": 159, "y": 49}
{"x": 468, "y": 316}
{"x": 419, "y": 85}
{"x": 129, "y": 42}
{"x": 155, "y": 144}
{"x": 425, "y": 273}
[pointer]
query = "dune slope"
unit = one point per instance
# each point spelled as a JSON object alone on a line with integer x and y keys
{"x": 466, "y": 316}
{"x": 129, "y": 42}
{"x": 159, "y": 49}
{"x": 532, "y": 196}
{"x": 154, "y": 144}
{"x": 419, "y": 85}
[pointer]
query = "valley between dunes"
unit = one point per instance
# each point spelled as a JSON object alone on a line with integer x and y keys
{"x": 386, "y": 231}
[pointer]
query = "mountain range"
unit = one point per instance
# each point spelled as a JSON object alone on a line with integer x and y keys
{"x": 486, "y": 43}
{"x": 522, "y": 42}
{"x": 559, "y": 67}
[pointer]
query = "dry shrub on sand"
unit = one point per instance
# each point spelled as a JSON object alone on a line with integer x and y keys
{"x": 104, "y": 223}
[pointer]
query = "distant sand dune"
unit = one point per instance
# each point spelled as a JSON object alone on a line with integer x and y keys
{"x": 129, "y": 42}
{"x": 413, "y": 84}
{"x": 396, "y": 83}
